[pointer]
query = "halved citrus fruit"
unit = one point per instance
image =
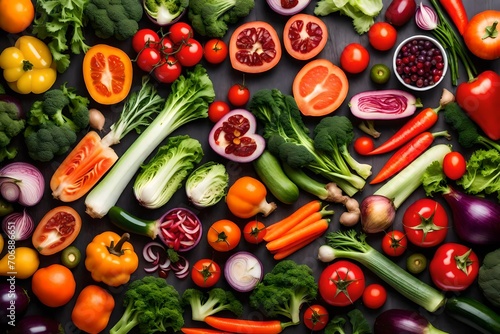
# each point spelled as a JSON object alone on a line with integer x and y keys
{"x": 107, "y": 72}
{"x": 304, "y": 36}
{"x": 319, "y": 88}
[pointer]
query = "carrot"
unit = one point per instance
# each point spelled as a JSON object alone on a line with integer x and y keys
{"x": 187, "y": 330}
{"x": 287, "y": 239}
{"x": 289, "y": 250}
{"x": 311, "y": 219}
{"x": 418, "y": 124}
{"x": 406, "y": 154}
{"x": 456, "y": 11}
{"x": 279, "y": 228}
{"x": 247, "y": 326}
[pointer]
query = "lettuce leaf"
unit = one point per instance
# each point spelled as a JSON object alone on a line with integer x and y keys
{"x": 483, "y": 173}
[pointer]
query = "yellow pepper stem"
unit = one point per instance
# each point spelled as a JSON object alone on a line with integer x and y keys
{"x": 117, "y": 249}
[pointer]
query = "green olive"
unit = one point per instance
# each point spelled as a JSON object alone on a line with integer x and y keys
{"x": 416, "y": 263}
{"x": 380, "y": 73}
{"x": 71, "y": 256}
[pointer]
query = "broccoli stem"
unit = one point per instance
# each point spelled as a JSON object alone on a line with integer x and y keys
{"x": 127, "y": 322}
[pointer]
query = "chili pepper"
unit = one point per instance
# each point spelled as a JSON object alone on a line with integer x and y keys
{"x": 406, "y": 154}
{"x": 188, "y": 330}
{"x": 111, "y": 259}
{"x": 456, "y": 10}
{"x": 480, "y": 99}
{"x": 247, "y": 326}
{"x": 92, "y": 309}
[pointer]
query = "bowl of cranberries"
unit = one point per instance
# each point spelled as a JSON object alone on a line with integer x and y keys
{"x": 420, "y": 62}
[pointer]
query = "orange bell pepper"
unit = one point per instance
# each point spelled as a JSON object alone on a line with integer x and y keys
{"x": 247, "y": 197}
{"x": 111, "y": 259}
{"x": 92, "y": 309}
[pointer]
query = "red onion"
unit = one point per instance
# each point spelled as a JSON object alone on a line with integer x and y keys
{"x": 383, "y": 104}
{"x": 22, "y": 182}
{"x": 426, "y": 18}
{"x": 180, "y": 267}
{"x": 288, "y": 7}
{"x": 377, "y": 213}
{"x": 243, "y": 271}
{"x": 403, "y": 321}
{"x": 19, "y": 226}
{"x": 180, "y": 229}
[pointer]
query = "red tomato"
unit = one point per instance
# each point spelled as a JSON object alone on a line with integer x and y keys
{"x": 190, "y": 53}
{"x": 144, "y": 38}
{"x": 224, "y": 235}
{"x": 168, "y": 71}
{"x": 254, "y": 231}
{"x": 57, "y": 229}
{"x": 454, "y": 165}
{"x": 454, "y": 267}
{"x": 238, "y": 95}
{"x": 166, "y": 46}
{"x": 180, "y": 31}
{"x": 148, "y": 58}
{"x": 205, "y": 273}
{"x": 382, "y": 36}
{"x": 316, "y": 317}
{"x": 217, "y": 109}
{"x": 304, "y": 36}
{"x": 354, "y": 58}
{"x": 425, "y": 223}
{"x": 374, "y": 296}
{"x": 363, "y": 145}
{"x": 394, "y": 243}
{"x": 341, "y": 283}
{"x": 215, "y": 51}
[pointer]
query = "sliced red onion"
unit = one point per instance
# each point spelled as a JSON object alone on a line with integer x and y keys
{"x": 426, "y": 18}
{"x": 243, "y": 271}
{"x": 180, "y": 229}
{"x": 383, "y": 104}
{"x": 26, "y": 178}
{"x": 18, "y": 226}
{"x": 180, "y": 267}
{"x": 288, "y": 7}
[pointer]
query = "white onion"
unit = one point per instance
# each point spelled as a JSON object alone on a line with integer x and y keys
{"x": 22, "y": 182}
{"x": 243, "y": 271}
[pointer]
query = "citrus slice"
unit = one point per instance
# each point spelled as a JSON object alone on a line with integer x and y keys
{"x": 319, "y": 88}
{"x": 107, "y": 72}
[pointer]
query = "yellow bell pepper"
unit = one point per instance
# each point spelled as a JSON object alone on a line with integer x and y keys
{"x": 28, "y": 66}
{"x": 111, "y": 259}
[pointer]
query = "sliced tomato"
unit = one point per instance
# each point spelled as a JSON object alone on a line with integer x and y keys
{"x": 320, "y": 87}
{"x": 254, "y": 47}
{"x": 107, "y": 72}
{"x": 57, "y": 229}
{"x": 304, "y": 36}
{"x": 82, "y": 168}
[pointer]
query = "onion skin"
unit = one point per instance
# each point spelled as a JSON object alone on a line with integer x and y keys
{"x": 377, "y": 213}
{"x": 475, "y": 219}
{"x": 403, "y": 322}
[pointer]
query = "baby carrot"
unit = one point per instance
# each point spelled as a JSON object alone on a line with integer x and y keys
{"x": 289, "y": 250}
{"x": 279, "y": 228}
{"x": 406, "y": 154}
{"x": 418, "y": 124}
{"x": 311, "y": 219}
{"x": 247, "y": 326}
{"x": 287, "y": 239}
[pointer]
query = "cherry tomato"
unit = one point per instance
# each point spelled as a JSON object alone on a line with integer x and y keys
{"x": 166, "y": 46}
{"x": 316, "y": 317}
{"x": 454, "y": 165}
{"x": 238, "y": 95}
{"x": 374, "y": 296}
{"x": 224, "y": 235}
{"x": 190, "y": 53}
{"x": 454, "y": 267}
{"x": 215, "y": 51}
{"x": 363, "y": 145}
{"x": 180, "y": 31}
{"x": 168, "y": 70}
{"x": 205, "y": 273}
{"x": 341, "y": 283}
{"x": 148, "y": 58}
{"x": 425, "y": 223}
{"x": 254, "y": 231}
{"x": 382, "y": 36}
{"x": 394, "y": 243}
{"x": 354, "y": 58}
{"x": 217, "y": 110}
{"x": 144, "y": 38}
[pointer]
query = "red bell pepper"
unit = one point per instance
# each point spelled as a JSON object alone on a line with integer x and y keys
{"x": 480, "y": 98}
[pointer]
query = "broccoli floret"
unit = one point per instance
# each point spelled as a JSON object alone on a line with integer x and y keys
{"x": 284, "y": 290}
{"x": 488, "y": 277}
{"x": 10, "y": 126}
{"x": 151, "y": 304}
{"x": 211, "y": 17}
{"x": 119, "y": 18}
{"x": 165, "y": 11}
{"x": 333, "y": 135}
{"x": 48, "y": 141}
{"x": 468, "y": 133}
{"x": 205, "y": 304}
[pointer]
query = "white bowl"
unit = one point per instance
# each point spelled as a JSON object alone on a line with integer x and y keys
{"x": 412, "y": 84}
